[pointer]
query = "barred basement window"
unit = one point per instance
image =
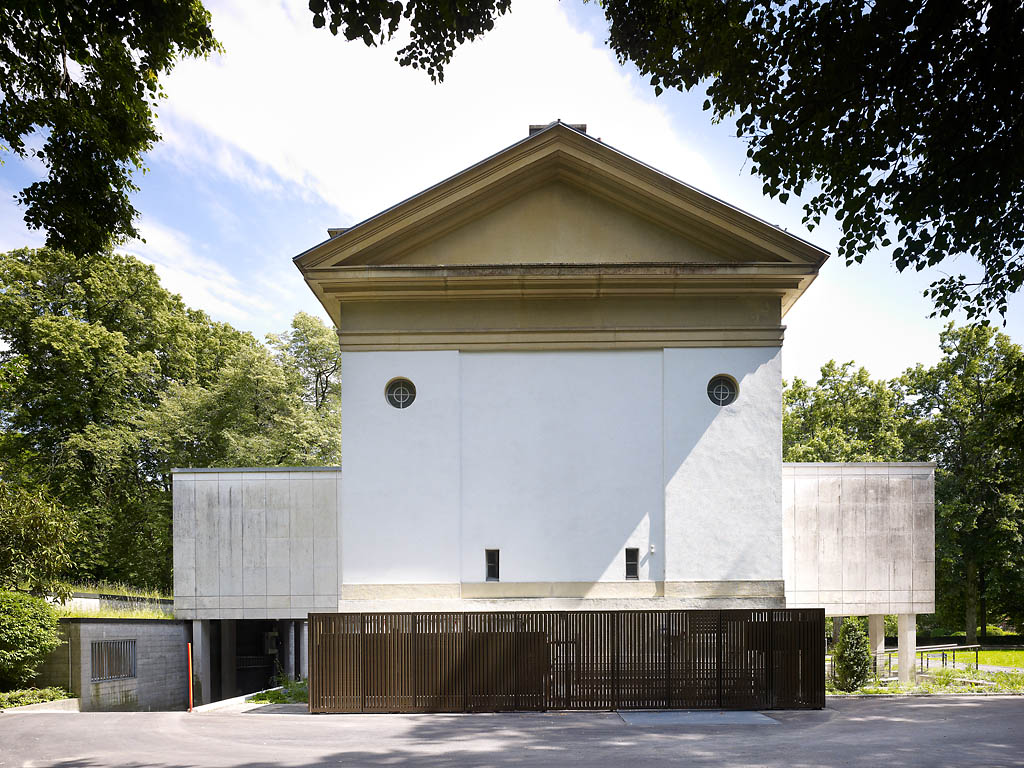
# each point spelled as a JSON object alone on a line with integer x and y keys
{"x": 400, "y": 393}
{"x": 632, "y": 563}
{"x": 112, "y": 660}
{"x": 722, "y": 390}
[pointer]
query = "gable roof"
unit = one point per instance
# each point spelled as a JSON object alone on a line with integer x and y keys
{"x": 742, "y": 244}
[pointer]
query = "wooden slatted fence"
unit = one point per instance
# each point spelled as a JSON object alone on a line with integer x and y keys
{"x": 539, "y": 660}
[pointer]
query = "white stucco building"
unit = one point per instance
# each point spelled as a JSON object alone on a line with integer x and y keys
{"x": 561, "y": 390}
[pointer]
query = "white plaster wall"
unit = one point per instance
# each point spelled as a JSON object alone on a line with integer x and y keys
{"x": 561, "y": 464}
{"x": 401, "y": 492}
{"x": 723, "y": 466}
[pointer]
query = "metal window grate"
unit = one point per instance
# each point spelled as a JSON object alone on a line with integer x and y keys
{"x": 491, "y": 561}
{"x": 112, "y": 660}
{"x": 632, "y": 563}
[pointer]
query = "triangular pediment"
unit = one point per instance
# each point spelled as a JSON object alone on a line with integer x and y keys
{"x": 559, "y": 197}
{"x": 558, "y": 223}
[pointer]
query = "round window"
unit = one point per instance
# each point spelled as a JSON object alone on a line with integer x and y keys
{"x": 400, "y": 393}
{"x": 722, "y": 390}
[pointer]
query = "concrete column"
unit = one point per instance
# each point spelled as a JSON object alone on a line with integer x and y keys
{"x": 304, "y": 649}
{"x": 201, "y": 662}
{"x": 287, "y": 635}
{"x": 228, "y": 664}
{"x": 908, "y": 647}
{"x": 876, "y": 639}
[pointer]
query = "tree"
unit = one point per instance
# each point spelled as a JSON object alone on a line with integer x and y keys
{"x": 902, "y": 119}
{"x": 312, "y": 349}
{"x": 28, "y": 632}
{"x": 847, "y": 416}
{"x": 851, "y": 657}
{"x": 85, "y": 77}
{"x": 969, "y": 418}
{"x": 252, "y": 414}
{"x": 89, "y": 343}
{"x": 36, "y": 535}
{"x": 107, "y": 382}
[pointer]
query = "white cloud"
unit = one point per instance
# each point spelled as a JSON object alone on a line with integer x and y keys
{"x": 202, "y": 282}
{"x": 348, "y": 123}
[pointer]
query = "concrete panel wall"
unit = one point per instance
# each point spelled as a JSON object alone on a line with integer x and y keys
{"x": 161, "y": 664}
{"x": 859, "y": 539}
{"x": 254, "y": 544}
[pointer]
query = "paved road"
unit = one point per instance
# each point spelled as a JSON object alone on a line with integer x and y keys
{"x": 932, "y": 732}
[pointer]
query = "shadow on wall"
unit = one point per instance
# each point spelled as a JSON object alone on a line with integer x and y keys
{"x": 723, "y": 466}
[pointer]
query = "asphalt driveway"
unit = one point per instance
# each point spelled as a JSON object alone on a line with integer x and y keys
{"x": 932, "y": 732}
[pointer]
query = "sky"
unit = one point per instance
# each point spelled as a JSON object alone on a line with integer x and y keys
{"x": 291, "y": 131}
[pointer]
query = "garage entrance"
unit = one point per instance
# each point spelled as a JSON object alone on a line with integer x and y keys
{"x": 540, "y": 660}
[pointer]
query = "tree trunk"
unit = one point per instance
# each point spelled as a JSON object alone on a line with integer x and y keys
{"x": 982, "y": 607}
{"x": 971, "y": 602}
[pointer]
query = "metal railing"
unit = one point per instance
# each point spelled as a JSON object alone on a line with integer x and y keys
{"x": 923, "y": 657}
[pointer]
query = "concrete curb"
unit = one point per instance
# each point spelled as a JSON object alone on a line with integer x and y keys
{"x": 57, "y": 705}
{"x": 244, "y": 699}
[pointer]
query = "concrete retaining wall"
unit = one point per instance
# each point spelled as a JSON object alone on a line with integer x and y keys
{"x": 161, "y": 664}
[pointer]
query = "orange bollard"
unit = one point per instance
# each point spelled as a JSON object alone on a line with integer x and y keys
{"x": 190, "y": 677}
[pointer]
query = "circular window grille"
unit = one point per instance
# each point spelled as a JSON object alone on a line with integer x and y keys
{"x": 400, "y": 393}
{"x": 722, "y": 390}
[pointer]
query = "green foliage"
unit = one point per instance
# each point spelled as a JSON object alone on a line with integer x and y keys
{"x": 890, "y": 625}
{"x": 851, "y": 657}
{"x": 36, "y": 536}
{"x": 961, "y": 420}
{"x": 902, "y": 119}
{"x": 91, "y": 344}
{"x": 847, "y": 416}
{"x": 117, "y": 588}
{"x": 252, "y": 414}
{"x": 966, "y": 413}
{"x": 86, "y": 76}
{"x": 109, "y": 381}
{"x": 26, "y": 696}
{"x": 436, "y": 27}
{"x": 28, "y": 632}
{"x": 311, "y": 350}
{"x": 291, "y": 692}
{"x": 130, "y": 610}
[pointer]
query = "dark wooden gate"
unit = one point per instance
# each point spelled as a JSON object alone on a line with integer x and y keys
{"x": 537, "y": 660}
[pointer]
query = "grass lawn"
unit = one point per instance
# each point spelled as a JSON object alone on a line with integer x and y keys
{"x": 947, "y": 680}
{"x": 128, "y": 611}
{"x": 999, "y": 658}
{"x": 116, "y": 588}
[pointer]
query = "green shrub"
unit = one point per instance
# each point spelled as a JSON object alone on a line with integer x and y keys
{"x": 851, "y": 658}
{"x": 31, "y": 696}
{"x": 28, "y": 632}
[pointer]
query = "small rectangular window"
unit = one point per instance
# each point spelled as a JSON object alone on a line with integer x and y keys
{"x": 112, "y": 660}
{"x": 632, "y": 563}
{"x": 491, "y": 556}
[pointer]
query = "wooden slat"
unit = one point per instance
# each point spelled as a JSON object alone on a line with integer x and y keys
{"x": 535, "y": 660}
